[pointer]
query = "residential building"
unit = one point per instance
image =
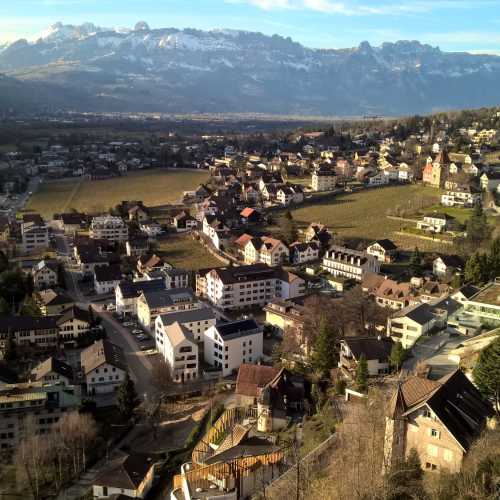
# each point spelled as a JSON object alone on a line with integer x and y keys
{"x": 52, "y": 302}
{"x": 103, "y": 366}
{"x": 41, "y": 332}
{"x": 184, "y": 222}
{"x": 52, "y": 371}
{"x": 88, "y": 258}
{"x": 395, "y": 295}
{"x": 153, "y": 303}
{"x": 435, "y": 222}
{"x": 287, "y": 195}
{"x": 466, "y": 198}
{"x": 73, "y": 323}
{"x": 410, "y": 323}
{"x": 485, "y": 304}
{"x": 109, "y": 227}
{"x": 490, "y": 181}
{"x": 247, "y": 286}
{"x": 445, "y": 266}
{"x": 375, "y": 350}
{"x": 106, "y": 278}
{"x": 323, "y": 179}
{"x": 228, "y": 345}
{"x": 318, "y": 233}
{"x": 285, "y": 314}
{"x": 349, "y": 263}
{"x": 128, "y": 476}
{"x": 267, "y": 250}
{"x": 440, "y": 419}
{"x": 34, "y": 236}
{"x": 384, "y": 250}
{"x": 300, "y": 253}
{"x": 197, "y": 321}
{"x": 127, "y": 294}
{"x": 179, "y": 349}
{"x": 71, "y": 222}
{"x": 46, "y": 404}
{"x": 137, "y": 246}
{"x": 45, "y": 274}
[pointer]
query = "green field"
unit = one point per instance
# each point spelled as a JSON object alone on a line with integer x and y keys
{"x": 154, "y": 187}
{"x": 363, "y": 215}
{"x": 185, "y": 252}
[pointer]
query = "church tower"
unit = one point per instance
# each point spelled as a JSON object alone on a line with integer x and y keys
{"x": 395, "y": 431}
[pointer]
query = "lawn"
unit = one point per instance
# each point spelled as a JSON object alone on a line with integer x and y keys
{"x": 363, "y": 215}
{"x": 185, "y": 252}
{"x": 154, "y": 187}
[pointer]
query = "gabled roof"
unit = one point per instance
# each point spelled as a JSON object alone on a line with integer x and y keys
{"x": 16, "y": 323}
{"x": 453, "y": 399}
{"x": 386, "y": 244}
{"x": 177, "y": 334}
{"x": 252, "y": 378}
{"x": 127, "y": 472}
{"x": 237, "y": 329}
{"x": 74, "y": 312}
{"x": 370, "y": 347}
{"x": 167, "y": 298}
{"x": 50, "y": 297}
{"x": 52, "y": 365}
{"x": 107, "y": 273}
{"x": 420, "y": 313}
{"x": 133, "y": 289}
{"x": 100, "y": 352}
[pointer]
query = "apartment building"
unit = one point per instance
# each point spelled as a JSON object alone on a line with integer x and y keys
{"x": 228, "y": 345}
{"x": 197, "y": 321}
{"x": 34, "y": 236}
{"x": 73, "y": 323}
{"x": 246, "y": 286}
{"x": 323, "y": 179}
{"x": 152, "y": 304}
{"x": 42, "y": 332}
{"x": 410, "y": 323}
{"x": 179, "y": 349}
{"x": 109, "y": 227}
{"x": 52, "y": 371}
{"x": 45, "y": 404}
{"x": 301, "y": 253}
{"x": 384, "y": 250}
{"x": 127, "y": 294}
{"x": 349, "y": 263}
{"x": 466, "y": 197}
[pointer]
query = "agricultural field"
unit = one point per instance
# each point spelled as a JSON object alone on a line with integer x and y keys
{"x": 362, "y": 216}
{"x": 185, "y": 252}
{"x": 154, "y": 187}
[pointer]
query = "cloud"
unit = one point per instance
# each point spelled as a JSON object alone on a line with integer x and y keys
{"x": 356, "y": 8}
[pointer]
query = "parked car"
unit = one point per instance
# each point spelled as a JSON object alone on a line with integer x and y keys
{"x": 142, "y": 337}
{"x": 136, "y": 331}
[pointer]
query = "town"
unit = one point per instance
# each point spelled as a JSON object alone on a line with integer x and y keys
{"x": 191, "y": 313}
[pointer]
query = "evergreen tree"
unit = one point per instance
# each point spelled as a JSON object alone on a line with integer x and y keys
{"x": 487, "y": 373}
{"x": 126, "y": 397}
{"x": 397, "y": 356}
{"x": 10, "y": 349}
{"x": 4, "y": 307}
{"x": 406, "y": 479}
{"x": 494, "y": 259}
{"x": 30, "y": 308}
{"x": 325, "y": 349}
{"x": 288, "y": 228}
{"x": 362, "y": 374}
{"x": 477, "y": 227}
{"x": 416, "y": 263}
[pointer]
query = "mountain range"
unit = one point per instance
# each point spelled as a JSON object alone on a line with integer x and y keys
{"x": 90, "y": 68}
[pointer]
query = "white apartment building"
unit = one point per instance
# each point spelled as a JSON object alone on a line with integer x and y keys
{"x": 179, "y": 350}
{"x": 247, "y": 286}
{"x": 323, "y": 180}
{"x": 104, "y": 367}
{"x": 109, "y": 227}
{"x": 197, "y": 321}
{"x": 409, "y": 324}
{"x": 228, "y": 345}
{"x": 152, "y": 304}
{"x": 44, "y": 274}
{"x": 460, "y": 198}
{"x": 127, "y": 294}
{"x": 34, "y": 236}
{"x": 349, "y": 263}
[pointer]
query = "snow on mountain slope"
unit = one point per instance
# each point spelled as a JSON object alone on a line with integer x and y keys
{"x": 229, "y": 70}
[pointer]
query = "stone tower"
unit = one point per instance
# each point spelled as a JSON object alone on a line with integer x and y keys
{"x": 264, "y": 411}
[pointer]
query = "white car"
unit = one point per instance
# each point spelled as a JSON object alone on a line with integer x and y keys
{"x": 137, "y": 332}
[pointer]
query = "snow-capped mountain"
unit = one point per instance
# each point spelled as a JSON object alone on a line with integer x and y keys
{"x": 235, "y": 71}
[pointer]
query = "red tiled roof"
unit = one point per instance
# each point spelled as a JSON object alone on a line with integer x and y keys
{"x": 251, "y": 378}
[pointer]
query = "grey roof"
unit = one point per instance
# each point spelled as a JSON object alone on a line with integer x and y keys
{"x": 166, "y": 298}
{"x": 100, "y": 352}
{"x": 371, "y": 347}
{"x": 202, "y": 314}
{"x": 107, "y": 273}
{"x": 18, "y": 323}
{"x": 74, "y": 313}
{"x": 236, "y": 329}
{"x": 420, "y": 313}
{"x": 131, "y": 289}
{"x": 53, "y": 365}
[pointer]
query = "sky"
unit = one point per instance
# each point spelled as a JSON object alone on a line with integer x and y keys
{"x": 453, "y": 25}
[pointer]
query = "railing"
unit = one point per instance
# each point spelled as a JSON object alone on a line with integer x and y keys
{"x": 226, "y": 421}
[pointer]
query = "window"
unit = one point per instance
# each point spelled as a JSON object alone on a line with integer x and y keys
{"x": 435, "y": 433}
{"x": 448, "y": 455}
{"x": 430, "y": 466}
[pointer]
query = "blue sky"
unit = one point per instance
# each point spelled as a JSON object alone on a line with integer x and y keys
{"x": 471, "y": 25}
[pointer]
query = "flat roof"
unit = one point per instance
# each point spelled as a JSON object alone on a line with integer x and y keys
{"x": 489, "y": 294}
